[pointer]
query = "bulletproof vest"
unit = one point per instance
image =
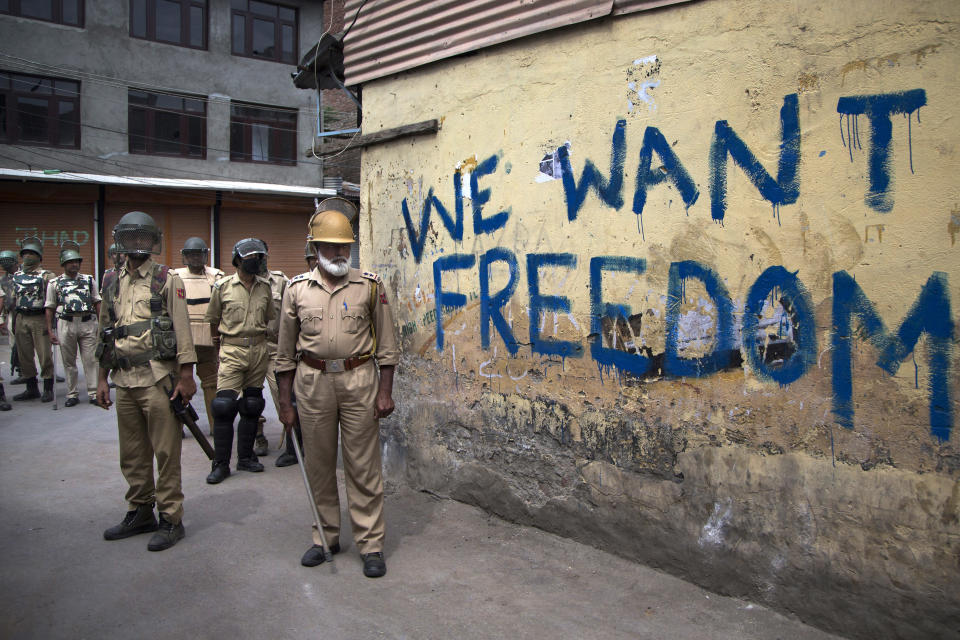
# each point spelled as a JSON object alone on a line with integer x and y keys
{"x": 30, "y": 290}
{"x": 76, "y": 296}
{"x": 163, "y": 337}
{"x": 198, "y": 288}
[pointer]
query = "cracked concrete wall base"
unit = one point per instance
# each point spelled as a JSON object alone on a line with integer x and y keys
{"x": 867, "y": 553}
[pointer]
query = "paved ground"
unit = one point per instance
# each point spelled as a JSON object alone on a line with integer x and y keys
{"x": 453, "y": 571}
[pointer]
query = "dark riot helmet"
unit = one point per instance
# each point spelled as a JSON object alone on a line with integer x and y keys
{"x": 32, "y": 243}
{"x": 69, "y": 250}
{"x": 8, "y": 259}
{"x": 137, "y": 234}
{"x": 195, "y": 245}
{"x": 248, "y": 247}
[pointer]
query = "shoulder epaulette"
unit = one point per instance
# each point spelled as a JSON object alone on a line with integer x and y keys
{"x": 300, "y": 278}
{"x": 369, "y": 275}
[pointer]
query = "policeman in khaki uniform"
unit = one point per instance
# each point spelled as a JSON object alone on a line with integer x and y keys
{"x": 198, "y": 279}
{"x": 30, "y": 288}
{"x": 335, "y": 329}
{"x": 240, "y": 309}
{"x": 76, "y": 329}
{"x": 145, "y": 342}
{"x": 278, "y": 284}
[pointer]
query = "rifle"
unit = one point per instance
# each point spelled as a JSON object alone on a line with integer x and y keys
{"x": 187, "y": 415}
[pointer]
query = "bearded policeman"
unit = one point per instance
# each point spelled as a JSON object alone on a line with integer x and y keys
{"x": 145, "y": 342}
{"x": 75, "y": 327}
{"x": 337, "y": 350}
{"x": 198, "y": 279}
{"x": 240, "y": 309}
{"x": 30, "y": 326}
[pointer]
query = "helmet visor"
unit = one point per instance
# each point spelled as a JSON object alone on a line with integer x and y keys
{"x": 249, "y": 247}
{"x": 137, "y": 240}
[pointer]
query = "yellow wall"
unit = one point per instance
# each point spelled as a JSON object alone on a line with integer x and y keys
{"x": 753, "y": 65}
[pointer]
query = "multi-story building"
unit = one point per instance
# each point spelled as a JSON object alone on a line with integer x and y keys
{"x": 184, "y": 109}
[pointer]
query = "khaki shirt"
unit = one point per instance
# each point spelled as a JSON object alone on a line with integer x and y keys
{"x": 335, "y": 324}
{"x": 278, "y": 284}
{"x": 132, "y": 304}
{"x": 239, "y": 313}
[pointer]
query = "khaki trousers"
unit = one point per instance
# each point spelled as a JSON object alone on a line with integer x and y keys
{"x": 32, "y": 339}
{"x": 323, "y": 400}
{"x": 148, "y": 429}
{"x": 242, "y": 367}
{"x": 207, "y": 362}
{"x": 271, "y": 373}
{"x": 75, "y": 335}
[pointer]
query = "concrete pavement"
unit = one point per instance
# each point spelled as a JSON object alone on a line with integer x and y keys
{"x": 453, "y": 571}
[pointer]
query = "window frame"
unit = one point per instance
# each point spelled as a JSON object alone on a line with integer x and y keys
{"x": 279, "y": 23}
{"x": 246, "y": 154}
{"x": 149, "y": 136}
{"x": 56, "y": 10}
{"x": 150, "y": 7}
{"x": 53, "y": 120}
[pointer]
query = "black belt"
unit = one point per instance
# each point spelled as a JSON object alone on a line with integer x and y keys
{"x": 30, "y": 312}
{"x": 198, "y": 300}
{"x": 84, "y": 317}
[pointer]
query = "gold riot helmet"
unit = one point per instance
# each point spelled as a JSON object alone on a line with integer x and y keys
{"x": 331, "y": 222}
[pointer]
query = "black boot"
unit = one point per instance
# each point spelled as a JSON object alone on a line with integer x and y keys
{"x": 289, "y": 457}
{"x": 32, "y": 391}
{"x": 166, "y": 536}
{"x": 4, "y": 405}
{"x": 47, "y": 390}
{"x": 219, "y": 472}
{"x": 140, "y": 520}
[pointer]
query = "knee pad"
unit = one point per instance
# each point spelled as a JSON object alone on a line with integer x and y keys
{"x": 225, "y": 405}
{"x": 252, "y": 403}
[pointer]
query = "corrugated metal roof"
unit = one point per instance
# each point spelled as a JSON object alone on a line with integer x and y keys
{"x": 395, "y": 35}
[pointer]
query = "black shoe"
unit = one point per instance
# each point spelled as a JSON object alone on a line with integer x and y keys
{"x": 32, "y": 391}
{"x": 94, "y": 402}
{"x": 47, "y": 395}
{"x": 314, "y": 555}
{"x": 166, "y": 536}
{"x": 373, "y": 565}
{"x": 140, "y": 520}
{"x": 219, "y": 472}
{"x": 19, "y": 380}
{"x": 260, "y": 446}
{"x": 59, "y": 378}
{"x": 249, "y": 464}
{"x": 286, "y": 459}
{"x": 4, "y": 405}
{"x": 71, "y": 402}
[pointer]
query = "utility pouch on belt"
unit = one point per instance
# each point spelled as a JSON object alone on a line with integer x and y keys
{"x": 164, "y": 337}
{"x": 107, "y": 349}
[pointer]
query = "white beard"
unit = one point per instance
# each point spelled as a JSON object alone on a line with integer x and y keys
{"x": 337, "y": 267}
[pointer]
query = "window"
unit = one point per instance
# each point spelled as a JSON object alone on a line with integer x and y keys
{"x": 180, "y": 22}
{"x": 59, "y": 11}
{"x": 35, "y": 110}
{"x": 264, "y": 30}
{"x": 263, "y": 134}
{"x": 167, "y": 125}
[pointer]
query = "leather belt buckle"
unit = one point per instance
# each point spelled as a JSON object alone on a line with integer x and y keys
{"x": 335, "y": 366}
